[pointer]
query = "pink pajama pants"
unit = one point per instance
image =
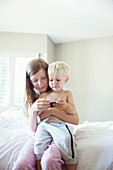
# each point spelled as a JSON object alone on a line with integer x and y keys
{"x": 51, "y": 159}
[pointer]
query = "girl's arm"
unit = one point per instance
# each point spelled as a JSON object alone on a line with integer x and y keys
{"x": 38, "y": 106}
{"x": 33, "y": 120}
{"x": 60, "y": 114}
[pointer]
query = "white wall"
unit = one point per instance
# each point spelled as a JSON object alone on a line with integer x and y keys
{"x": 22, "y": 43}
{"x": 26, "y": 44}
{"x": 50, "y": 50}
{"x": 91, "y": 79}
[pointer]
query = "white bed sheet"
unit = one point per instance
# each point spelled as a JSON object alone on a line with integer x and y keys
{"x": 14, "y": 132}
{"x": 95, "y": 146}
{"x": 94, "y": 141}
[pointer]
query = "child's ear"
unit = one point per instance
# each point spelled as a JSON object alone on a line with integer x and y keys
{"x": 67, "y": 78}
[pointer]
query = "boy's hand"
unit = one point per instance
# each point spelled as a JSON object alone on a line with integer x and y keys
{"x": 61, "y": 104}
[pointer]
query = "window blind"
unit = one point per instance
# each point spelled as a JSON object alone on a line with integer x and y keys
{"x": 20, "y": 70}
{"x": 4, "y": 79}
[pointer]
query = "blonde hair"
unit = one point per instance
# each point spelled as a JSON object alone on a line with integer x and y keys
{"x": 30, "y": 95}
{"x": 59, "y": 66}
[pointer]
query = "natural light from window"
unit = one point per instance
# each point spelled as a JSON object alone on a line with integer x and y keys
{"x": 20, "y": 67}
{"x": 4, "y": 79}
{"x": 12, "y": 79}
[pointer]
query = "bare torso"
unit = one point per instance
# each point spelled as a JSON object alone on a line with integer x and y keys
{"x": 55, "y": 96}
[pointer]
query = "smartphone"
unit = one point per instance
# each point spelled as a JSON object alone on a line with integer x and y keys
{"x": 51, "y": 104}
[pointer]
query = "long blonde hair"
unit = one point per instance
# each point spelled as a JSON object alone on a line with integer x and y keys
{"x": 30, "y": 95}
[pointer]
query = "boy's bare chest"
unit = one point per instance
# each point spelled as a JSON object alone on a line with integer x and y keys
{"x": 56, "y": 96}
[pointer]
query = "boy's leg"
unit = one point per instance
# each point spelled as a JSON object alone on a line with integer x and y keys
{"x": 42, "y": 140}
{"x": 71, "y": 167}
{"x": 66, "y": 144}
{"x": 39, "y": 165}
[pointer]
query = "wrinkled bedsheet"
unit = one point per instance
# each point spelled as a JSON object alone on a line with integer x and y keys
{"x": 94, "y": 141}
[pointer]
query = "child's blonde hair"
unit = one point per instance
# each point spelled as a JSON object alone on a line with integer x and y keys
{"x": 60, "y": 66}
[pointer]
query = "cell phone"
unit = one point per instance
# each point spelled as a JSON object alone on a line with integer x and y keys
{"x": 51, "y": 104}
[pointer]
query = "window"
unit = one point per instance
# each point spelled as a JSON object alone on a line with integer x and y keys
{"x": 12, "y": 80}
{"x": 4, "y": 78}
{"x": 20, "y": 65}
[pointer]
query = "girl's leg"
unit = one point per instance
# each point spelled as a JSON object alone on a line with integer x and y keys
{"x": 26, "y": 158}
{"x": 52, "y": 158}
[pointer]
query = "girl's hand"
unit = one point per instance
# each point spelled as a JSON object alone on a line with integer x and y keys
{"x": 40, "y": 105}
{"x": 45, "y": 114}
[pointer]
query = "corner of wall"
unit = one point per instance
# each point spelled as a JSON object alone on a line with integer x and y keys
{"x": 50, "y": 50}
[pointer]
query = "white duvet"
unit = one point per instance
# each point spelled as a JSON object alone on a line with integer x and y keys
{"x": 94, "y": 141}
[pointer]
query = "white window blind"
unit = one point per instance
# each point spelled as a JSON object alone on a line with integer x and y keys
{"x": 4, "y": 79}
{"x": 12, "y": 80}
{"x": 20, "y": 70}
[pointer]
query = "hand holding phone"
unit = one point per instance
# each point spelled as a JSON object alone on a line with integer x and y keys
{"x": 51, "y": 104}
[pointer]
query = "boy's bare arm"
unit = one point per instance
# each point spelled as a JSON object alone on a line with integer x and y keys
{"x": 71, "y": 106}
{"x": 68, "y": 106}
{"x": 71, "y": 109}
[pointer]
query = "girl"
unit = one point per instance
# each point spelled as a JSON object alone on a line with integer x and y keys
{"x": 36, "y": 83}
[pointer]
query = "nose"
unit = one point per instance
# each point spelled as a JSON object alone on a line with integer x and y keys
{"x": 54, "y": 81}
{"x": 39, "y": 82}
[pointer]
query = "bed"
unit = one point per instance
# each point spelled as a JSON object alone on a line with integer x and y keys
{"x": 94, "y": 141}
